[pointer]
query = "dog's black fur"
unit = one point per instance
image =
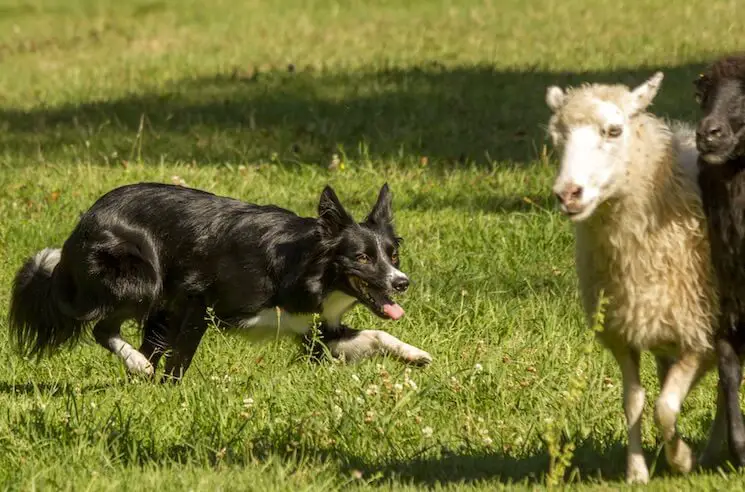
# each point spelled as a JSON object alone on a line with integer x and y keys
{"x": 720, "y": 139}
{"x": 164, "y": 254}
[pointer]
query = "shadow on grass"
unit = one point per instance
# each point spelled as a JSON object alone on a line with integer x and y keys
{"x": 49, "y": 389}
{"x": 591, "y": 461}
{"x": 446, "y": 115}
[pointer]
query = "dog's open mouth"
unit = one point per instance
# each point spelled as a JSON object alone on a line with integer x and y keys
{"x": 377, "y": 301}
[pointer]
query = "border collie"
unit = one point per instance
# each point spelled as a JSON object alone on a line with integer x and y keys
{"x": 164, "y": 255}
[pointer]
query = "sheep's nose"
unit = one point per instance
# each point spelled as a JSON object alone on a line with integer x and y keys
{"x": 569, "y": 194}
{"x": 710, "y": 131}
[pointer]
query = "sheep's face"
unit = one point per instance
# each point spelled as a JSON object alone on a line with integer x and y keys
{"x": 591, "y": 126}
{"x": 721, "y": 132}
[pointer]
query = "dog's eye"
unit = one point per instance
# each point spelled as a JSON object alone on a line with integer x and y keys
{"x": 614, "y": 131}
{"x": 394, "y": 257}
{"x": 363, "y": 258}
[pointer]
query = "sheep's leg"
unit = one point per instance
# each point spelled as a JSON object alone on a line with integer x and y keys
{"x": 663, "y": 367}
{"x": 730, "y": 376}
{"x": 717, "y": 438}
{"x": 680, "y": 379}
{"x": 633, "y": 405}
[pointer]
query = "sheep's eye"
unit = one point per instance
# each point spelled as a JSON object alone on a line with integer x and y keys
{"x": 614, "y": 131}
{"x": 363, "y": 258}
{"x": 698, "y": 97}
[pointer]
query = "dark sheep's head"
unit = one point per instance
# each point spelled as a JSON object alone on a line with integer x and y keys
{"x": 720, "y": 91}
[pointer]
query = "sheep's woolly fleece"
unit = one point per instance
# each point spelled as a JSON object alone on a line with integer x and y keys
{"x": 646, "y": 248}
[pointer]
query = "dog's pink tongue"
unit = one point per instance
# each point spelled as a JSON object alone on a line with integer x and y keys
{"x": 393, "y": 311}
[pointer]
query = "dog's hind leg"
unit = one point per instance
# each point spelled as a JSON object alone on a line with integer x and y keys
{"x": 190, "y": 329}
{"x": 353, "y": 345}
{"x": 681, "y": 378}
{"x": 107, "y": 333}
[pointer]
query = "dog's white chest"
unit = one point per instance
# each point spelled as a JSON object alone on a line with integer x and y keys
{"x": 275, "y": 321}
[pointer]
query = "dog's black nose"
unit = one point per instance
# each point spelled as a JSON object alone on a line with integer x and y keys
{"x": 401, "y": 284}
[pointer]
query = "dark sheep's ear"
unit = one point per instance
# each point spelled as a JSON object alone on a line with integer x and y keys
{"x": 382, "y": 212}
{"x": 331, "y": 213}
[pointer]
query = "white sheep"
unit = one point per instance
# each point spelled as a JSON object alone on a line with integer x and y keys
{"x": 628, "y": 183}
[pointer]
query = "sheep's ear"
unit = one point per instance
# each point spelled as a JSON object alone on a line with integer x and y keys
{"x": 642, "y": 96}
{"x": 555, "y": 98}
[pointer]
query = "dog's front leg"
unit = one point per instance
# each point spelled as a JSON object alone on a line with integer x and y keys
{"x": 107, "y": 334}
{"x": 191, "y": 329}
{"x": 156, "y": 337}
{"x": 354, "y": 345}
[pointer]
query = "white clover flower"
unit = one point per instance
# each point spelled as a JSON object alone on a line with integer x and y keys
{"x": 478, "y": 367}
{"x": 355, "y": 378}
{"x": 372, "y": 390}
{"x": 338, "y": 412}
{"x": 398, "y": 387}
{"x": 427, "y": 431}
{"x": 411, "y": 384}
{"x": 248, "y": 402}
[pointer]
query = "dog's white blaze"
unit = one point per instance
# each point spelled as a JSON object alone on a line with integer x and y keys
{"x": 133, "y": 359}
{"x": 393, "y": 272}
{"x": 396, "y": 274}
{"x": 278, "y": 321}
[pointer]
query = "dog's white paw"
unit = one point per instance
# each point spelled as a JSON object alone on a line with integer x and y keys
{"x": 417, "y": 357}
{"x": 138, "y": 364}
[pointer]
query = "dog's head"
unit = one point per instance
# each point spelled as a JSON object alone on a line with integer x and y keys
{"x": 366, "y": 257}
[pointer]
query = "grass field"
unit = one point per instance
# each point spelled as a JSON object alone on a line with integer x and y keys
{"x": 268, "y": 102}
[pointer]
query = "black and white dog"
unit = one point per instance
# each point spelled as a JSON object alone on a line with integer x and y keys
{"x": 163, "y": 255}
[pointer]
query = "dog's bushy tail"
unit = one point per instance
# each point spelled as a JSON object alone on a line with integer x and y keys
{"x": 37, "y": 323}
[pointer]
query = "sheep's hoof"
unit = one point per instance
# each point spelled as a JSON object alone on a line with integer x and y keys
{"x": 637, "y": 473}
{"x": 680, "y": 457}
{"x": 711, "y": 456}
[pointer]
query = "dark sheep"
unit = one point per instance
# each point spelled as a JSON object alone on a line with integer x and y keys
{"x": 720, "y": 139}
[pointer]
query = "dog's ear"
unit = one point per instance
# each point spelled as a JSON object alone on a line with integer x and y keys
{"x": 331, "y": 213}
{"x": 382, "y": 212}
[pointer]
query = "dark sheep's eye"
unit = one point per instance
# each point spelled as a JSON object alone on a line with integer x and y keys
{"x": 363, "y": 258}
{"x": 614, "y": 131}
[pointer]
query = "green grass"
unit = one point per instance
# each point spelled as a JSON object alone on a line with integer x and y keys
{"x": 444, "y": 100}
